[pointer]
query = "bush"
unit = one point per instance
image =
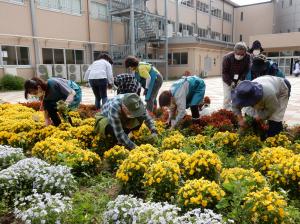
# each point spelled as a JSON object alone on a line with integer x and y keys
{"x": 11, "y": 82}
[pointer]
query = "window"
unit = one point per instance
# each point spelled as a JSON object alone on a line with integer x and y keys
{"x": 226, "y": 38}
{"x": 57, "y": 56}
{"x": 296, "y": 53}
{"x": 202, "y": 7}
{"x": 282, "y": 4}
{"x": 273, "y": 54}
{"x": 69, "y": 6}
{"x": 96, "y": 54}
{"x": 288, "y": 30}
{"x": 13, "y": 55}
{"x": 186, "y": 30}
{"x": 216, "y": 12}
{"x": 98, "y": 11}
{"x": 241, "y": 37}
{"x": 178, "y": 58}
{"x": 291, "y": 2}
{"x": 202, "y": 32}
{"x": 215, "y": 35}
{"x": 242, "y": 16}
{"x": 189, "y": 3}
{"x": 227, "y": 16}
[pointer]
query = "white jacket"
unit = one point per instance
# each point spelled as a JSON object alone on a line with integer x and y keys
{"x": 100, "y": 69}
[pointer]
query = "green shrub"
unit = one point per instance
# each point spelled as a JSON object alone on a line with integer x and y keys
{"x": 11, "y": 82}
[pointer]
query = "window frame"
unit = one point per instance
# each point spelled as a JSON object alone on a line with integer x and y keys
{"x": 61, "y": 10}
{"x": 99, "y": 18}
{"x": 64, "y": 55}
{"x": 172, "y": 58}
{"x": 17, "y": 65}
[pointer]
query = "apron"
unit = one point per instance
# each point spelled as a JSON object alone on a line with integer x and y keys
{"x": 153, "y": 74}
{"x": 196, "y": 90}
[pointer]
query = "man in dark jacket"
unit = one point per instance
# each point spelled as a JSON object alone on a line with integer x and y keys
{"x": 236, "y": 65}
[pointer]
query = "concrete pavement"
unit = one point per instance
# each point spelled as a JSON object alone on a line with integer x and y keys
{"x": 214, "y": 89}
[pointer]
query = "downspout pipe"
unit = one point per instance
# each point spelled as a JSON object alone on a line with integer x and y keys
{"x": 34, "y": 33}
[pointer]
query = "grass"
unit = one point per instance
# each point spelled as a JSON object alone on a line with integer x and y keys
{"x": 90, "y": 201}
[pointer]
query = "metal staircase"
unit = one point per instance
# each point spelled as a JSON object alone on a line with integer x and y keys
{"x": 146, "y": 29}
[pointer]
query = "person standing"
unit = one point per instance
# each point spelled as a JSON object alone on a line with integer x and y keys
{"x": 187, "y": 92}
{"x": 121, "y": 115}
{"x": 149, "y": 77}
{"x": 235, "y": 67}
{"x": 266, "y": 98}
{"x": 50, "y": 93}
{"x": 100, "y": 77}
{"x": 296, "y": 70}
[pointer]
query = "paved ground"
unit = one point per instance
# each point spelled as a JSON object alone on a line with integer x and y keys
{"x": 214, "y": 89}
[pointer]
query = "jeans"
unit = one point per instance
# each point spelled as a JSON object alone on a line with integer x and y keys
{"x": 275, "y": 127}
{"x": 154, "y": 93}
{"x": 99, "y": 87}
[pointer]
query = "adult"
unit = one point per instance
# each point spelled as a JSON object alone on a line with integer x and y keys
{"x": 256, "y": 48}
{"x": 127, "y": 83}
{"x": 100, "y": 77}
{"x": 121, "y": 115}
{"x": 267, "y": 98}
{"x": 149, "y": 77}
{"x": 235, "y": 67}
{"x": 187, "y": 92}
{"x": 261, "y": 66}
{"x": 50, "y": 93}
{"x": 296, "y": 68}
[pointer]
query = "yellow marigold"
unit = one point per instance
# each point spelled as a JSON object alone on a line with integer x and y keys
{"x": 146, "y": 149}
{"x": 201, "y": 192}
{"x": 116, "y": 155}
{"x": 174, "y": 156}
{"x": 256, "y": 179}
{"x": 278, "y": 140}
{"x": 84, "y": 134}
{"x": 265, "y": 206}
{"x": 59, "y": 151}
{"x": 133, "y": 168}
{"x": 174, "y": 141}
{"x": 163, "y": 177}
{"x": 267, "y": 157}
{"x": 197, "y": 141}
{"x": 226, "y": 140}
{"x": 202, "y": 163}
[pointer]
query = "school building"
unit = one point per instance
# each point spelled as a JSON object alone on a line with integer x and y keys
{"x": 62, "y": 37}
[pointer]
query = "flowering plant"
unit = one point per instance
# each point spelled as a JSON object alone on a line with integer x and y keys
{"x": 286, "y": 174}
{"x": 202, "y": 163}
{"x": 265, "y": 158}
{"x": 249, "y": 144}
{"x": 19, "y": 177}
{"x": 127, "y": 209}
{"x": 175, "y": 141}
{"x": 163, "y": 178}
{"x": 226, "y": 141}
{"x": 255, "y": 180}
{"x": 265, "y": 206}
{"x": 278, "y": 140}
{"x": 59, "y": 151}
{"x": 32, "y": 173}
{"x": 116, "y": 156}
{"x": 132, "y": 170}
{"x": 9, "y": 156}
{"x": 175, "y": 156}
{"x": 42, "y": 208}
{"x": 201, "y": 192}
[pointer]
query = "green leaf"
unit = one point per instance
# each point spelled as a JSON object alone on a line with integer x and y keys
{"x": 223, "y": 203}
